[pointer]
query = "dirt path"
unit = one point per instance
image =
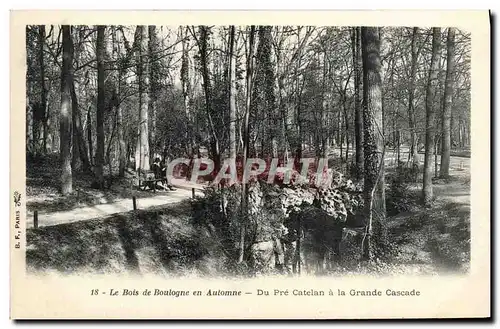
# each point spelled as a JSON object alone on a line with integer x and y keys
{"x": 183, "y": 192}
{"x": 439, "y": 237}
{"x": 457, "y": 189}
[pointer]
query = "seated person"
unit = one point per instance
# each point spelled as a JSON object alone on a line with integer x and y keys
{"x": 163, "y": 172}
{"x": 163, "y": 175}
{"x": 156, "y": 169}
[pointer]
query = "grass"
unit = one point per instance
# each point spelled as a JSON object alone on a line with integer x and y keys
{"x": 422, "y": 240}
{"x": 42, "y": 187}
{"x": 161, "y": 241}
{"x": 437, "y": 235}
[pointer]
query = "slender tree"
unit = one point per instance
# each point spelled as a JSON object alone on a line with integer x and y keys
{"x": 89, "y": 134}
{"x": 411, "y": 95}
{"x": 80, "y": 158}
{"x": 43, "y": 90}
{"x": 65, "y": 115}
{"x": 358, "y": 111}
{"x": 431, "y": 115}
{"x": 374, "y": 146}
{"x": 121, "y": 145}
{"x": 246, "y": 138}
{"x": 142, "y": 149}
{"x": 30, "y": 91}
{"x": 186, "y": 91}
{"x": 154, "y": 85}
{"x": 99, "y": 161}
{"x": 264, "y": 100}
{"x": 76, "y": 161}
{"x": 214, "y": 139}
{"x": 232, "y": 94}
{"x": 447, "y": 103}
{"x": 80, "y": 152}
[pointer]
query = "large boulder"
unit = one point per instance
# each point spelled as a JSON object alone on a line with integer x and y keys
{"x": 267, "y": 257}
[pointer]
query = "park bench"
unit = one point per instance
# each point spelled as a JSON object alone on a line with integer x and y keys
{"x": 147, "y": 180}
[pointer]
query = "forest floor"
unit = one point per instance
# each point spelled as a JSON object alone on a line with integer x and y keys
{"x": 423, "y": 240}
{"x": 42, "y": 184}
{"x": 164, "y": 240}
{"x": 161, "y": 241}
{"x": 437, "y": 236}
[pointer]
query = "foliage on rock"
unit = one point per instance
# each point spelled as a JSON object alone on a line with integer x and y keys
{"x": 273, "y": 210}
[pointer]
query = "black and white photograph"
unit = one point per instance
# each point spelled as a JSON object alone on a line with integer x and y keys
{"x": 250, "y": 165}
{"x": 248, "y": 150}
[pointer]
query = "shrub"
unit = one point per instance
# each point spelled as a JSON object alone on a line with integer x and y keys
{"x": 352, "y": 170}
{"x": 271, "y": 209}
{"x": 399, "y": 197}
{"x": 407, "y": 173}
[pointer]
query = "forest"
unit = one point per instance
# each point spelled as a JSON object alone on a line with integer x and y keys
{"x": 387, "y": 110}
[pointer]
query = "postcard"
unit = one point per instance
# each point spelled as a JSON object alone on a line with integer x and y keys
{"x": 250, "y": 164}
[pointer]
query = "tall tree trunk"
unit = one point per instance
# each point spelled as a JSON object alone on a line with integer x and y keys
{"x": 358, "y": 115}
{"x": 467, "y": 133}
{"x": 346, "y": 123}
{"x": 214, "y": 140}
{"x": 99, "y": 161}
{"x": 186, "y": 93}
{"x": 142, "y": 150}
{"x": 411, "y": 94}
{"x": 459, "y": 131}
{"x": 374, "y": 190}
{"x": 43, "y": 91}
{"x": 280, "y": 101}
{"x": 246, "y": 141}
{"x": 30, "y": 97}
{"x": 439, "y": 105}
{"x": 80, "y": 157}
{"x": 232, "y": 94}
{"x": 338, "y": 127}
{"x": 323, "y": 109}
{"x": 265, "y": 45}
{"x": 76, "y": 162}
{"x": 341, "y": 134}
{"x": 29, "y": 124}
{"x": 398, "y": 146}
{"x": 89, "y": 135}
{"x": 37, "y": 108}
{"x": 80, "y": 152}
{"x": 431, "y": 115}
{"x": 65, "y": 115}
{"x": 448, "y": 98}
{"x": 154, "y": 88}
{"x": 452, "y": 129}
{"x": 437, "y": 140}
{"x": 298, "y": 147}
{"x": 122, "y": 149}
